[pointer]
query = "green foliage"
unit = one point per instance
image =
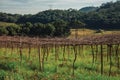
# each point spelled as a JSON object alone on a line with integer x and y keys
{"x": 25, "y": 28}
{"x": 8, "y": 65}
{"x": 18, "y": 77}
{"x": 9, "y": 29}
{"x": 57, "y": 28}
{"x": 43, "y": 30}
{"x": 49, "y": 29}
{"x": 105, "y": 17}
{"x": 29, "y": 69}
{"x": 2, "y": 74}
{"x": 4, "y": 24}
{"x": 33, "y": 66}
{"x": 88, "y": 9}
{"x": 4, "y": 17}
{"x": 13, "y": 30}
{"x": 76, "y": 24}
{"x": 3, "y": 31}
{"x": 61, "y": 28}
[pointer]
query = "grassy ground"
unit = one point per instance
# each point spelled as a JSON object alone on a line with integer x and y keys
{"x": 12, "y": 69}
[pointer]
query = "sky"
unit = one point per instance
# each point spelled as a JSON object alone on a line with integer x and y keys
{"x": 35, "y": 6}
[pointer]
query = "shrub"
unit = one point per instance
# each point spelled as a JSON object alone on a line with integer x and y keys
{"x": 18, "y": 77}
{"x": 2, "y": 74}
{"x": 100, "y": 31}
{"x": 3, "y": 31}
{"x": 8, "y": 65}
{"x": 11, "y": 65}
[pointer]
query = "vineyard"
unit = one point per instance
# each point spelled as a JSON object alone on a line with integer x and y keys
{"x": 58, "y": 57}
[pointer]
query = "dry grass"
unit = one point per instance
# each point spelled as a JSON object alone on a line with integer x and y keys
{"x": 87, "y": 32}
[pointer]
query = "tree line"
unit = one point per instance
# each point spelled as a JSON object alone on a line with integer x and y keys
{"x": 58, "y": 22}
{"x": 37, "y": 29}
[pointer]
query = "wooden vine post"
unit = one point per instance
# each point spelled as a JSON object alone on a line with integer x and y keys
{"x": 101, "y": 59}
{"x": 12, "y": 46}
{"x": 6, "y": 45}
{"x": 117, "y": 56}
{"x": 93, "y": 59}
{"x": 64, "y": 50}
{"x": 110, "y": 47}
{"x": 68, "y": 51}
{"x": 43, "y": 56}
{"x": 20, "y": 47}
{"x": 29, "y": 50}
{"x": 55, "y": 52}
{"x": 47, "y": 52}
{"x": 96, "y": 52}
{"x": 39, "y": 56}
{"x": 75, "y": 57}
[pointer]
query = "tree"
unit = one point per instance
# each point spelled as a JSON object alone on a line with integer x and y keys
{"x": 61, "y": 28}
{"x": 13, "y": 30}
{"x": 25, "y": 28}
{"x": 37, "y": 29}
{"x": 3, "y": 31}
{"x": 49, "y": 29}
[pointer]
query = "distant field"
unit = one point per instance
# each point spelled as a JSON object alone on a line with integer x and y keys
{"x": 87, "y": 32}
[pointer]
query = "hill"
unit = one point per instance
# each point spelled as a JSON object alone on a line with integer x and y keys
{"x": 88, "y": 9}
{"x": 107, "y": 16}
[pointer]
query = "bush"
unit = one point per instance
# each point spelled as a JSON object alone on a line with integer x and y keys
{"x": 18, "y": 77}
{"x": 3, "y": 31}
{"x": 13, "y": 30}
{"x": 2, "y": 74}
{"x": 11, "y": 66}
{"x": 100, "y": 31}
{"x": 8, "y": 65}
